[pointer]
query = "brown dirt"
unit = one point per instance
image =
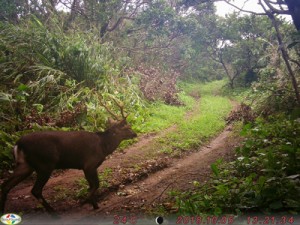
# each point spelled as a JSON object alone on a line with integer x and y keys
{"x": 179, "y": 175}
{"x": 138, "y": 183}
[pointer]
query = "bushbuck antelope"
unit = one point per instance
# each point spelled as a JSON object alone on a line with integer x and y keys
{"x": 46, "y": 151}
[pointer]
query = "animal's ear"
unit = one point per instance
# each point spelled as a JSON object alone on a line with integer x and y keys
{"x": 110, "y": 122}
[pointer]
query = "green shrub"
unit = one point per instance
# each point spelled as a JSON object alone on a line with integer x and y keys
{"x": 51, "y": 78}
{"x": 265, "y": 176}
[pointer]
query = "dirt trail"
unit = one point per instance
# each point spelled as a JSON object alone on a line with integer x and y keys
{"x": 140, "y": 179}
{"x": 144, "y": 194}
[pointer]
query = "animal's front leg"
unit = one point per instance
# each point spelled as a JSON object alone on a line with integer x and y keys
{"x": 91, "y": 176}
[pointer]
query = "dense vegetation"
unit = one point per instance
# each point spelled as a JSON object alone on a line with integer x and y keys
{"x": 66, "y": 65}
{"x": 264, "y": 177}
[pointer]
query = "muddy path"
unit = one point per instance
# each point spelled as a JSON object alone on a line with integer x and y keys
{"x": 137, "y": 179}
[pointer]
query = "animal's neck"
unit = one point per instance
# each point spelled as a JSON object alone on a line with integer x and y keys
{"x": 111, "y": 142}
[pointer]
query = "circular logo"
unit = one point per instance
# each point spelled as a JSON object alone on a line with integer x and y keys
{"x": 11, "y": 219}
{"x": 159, "y": 220}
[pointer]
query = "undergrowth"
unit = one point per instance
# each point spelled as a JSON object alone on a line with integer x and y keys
{"x": 264, "y": 177}
{"x": 238, "y": 94}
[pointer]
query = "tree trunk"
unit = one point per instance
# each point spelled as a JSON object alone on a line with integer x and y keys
{"x": 231, "y": 79}
{"x": 285, "y": 56}
{"x": 73, "y": 13}
{"x": 294, "y": 8}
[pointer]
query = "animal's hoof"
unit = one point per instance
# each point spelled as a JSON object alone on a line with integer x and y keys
{"x": 91, "y": 201}
{"x": 95, "y": 206}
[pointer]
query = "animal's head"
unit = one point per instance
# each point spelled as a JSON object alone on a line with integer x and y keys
{"x": 121, "y": 129}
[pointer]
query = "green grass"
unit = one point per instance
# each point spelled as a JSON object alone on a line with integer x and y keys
{"x": 195, "y": 88}
{"x": 162, "y": 116}
{"x": 238, "y": 94}
{"x": 208, "y": 120}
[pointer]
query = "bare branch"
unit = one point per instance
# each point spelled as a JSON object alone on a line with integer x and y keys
{"x": 295, "y": 61}
{"x": 75, "y": 9}
{"x": 243, "y": 10}
{"x": 157, "y": 47}
{"x": 268, "y": 3}
{"x": 129, "y": 17}
{"x": 273, "y": 9}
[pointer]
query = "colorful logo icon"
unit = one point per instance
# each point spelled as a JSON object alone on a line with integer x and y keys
{"x": 11, "y": 219}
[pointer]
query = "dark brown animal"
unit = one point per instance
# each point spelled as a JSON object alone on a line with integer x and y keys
{"x": 46, "y": 151}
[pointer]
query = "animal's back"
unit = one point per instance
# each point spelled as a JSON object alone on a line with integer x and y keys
{"x": 58, "y": 149}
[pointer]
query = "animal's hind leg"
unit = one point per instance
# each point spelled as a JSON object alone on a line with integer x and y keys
{"x": 21, "y": 172}
{"x": 41, "y": 180}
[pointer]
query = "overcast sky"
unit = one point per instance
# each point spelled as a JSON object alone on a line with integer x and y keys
{"x": 251, "y": 5}
{"x": 223, "y": 8}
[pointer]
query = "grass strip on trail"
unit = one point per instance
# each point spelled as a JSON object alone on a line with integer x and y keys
{"x": 209, "y": 119}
